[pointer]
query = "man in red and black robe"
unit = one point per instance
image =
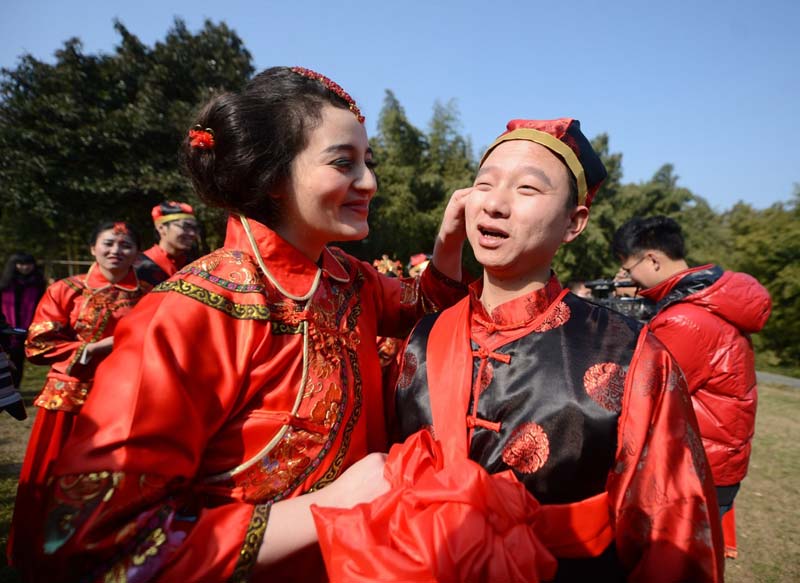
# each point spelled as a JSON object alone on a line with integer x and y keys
{"x": 545, "y": 437}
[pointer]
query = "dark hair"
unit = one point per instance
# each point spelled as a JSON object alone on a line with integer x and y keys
{"x": 572, "y": 198}
{"x": 641, "y": 234}
{"x": 10, "y": 270}
{"x": 257, "y": 132}
{"x": 107, "y": 225}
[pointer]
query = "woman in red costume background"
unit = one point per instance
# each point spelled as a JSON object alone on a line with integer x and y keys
{"x": 248, "y": 386}
{"x": 72, "y": 331}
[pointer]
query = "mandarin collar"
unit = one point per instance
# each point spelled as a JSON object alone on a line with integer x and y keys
{"x": 97, "y": 281}
{"x": 659, "y": 291}
{"x": 518, "y": 311}
{"x": 294, "y": 274}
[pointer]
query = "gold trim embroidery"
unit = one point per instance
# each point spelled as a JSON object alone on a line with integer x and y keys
{"x": 252, "y": 543}
{"x": 216, "y": 301}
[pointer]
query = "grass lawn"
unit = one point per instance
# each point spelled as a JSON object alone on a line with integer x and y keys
{"x": 767, "y": 510}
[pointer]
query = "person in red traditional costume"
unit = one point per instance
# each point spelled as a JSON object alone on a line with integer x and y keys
{"x": 705, "y": 316}
{"x": 72, "y": 331}
{"x": 248, "y": 386}
{"x": 177, "y": 230}
{"x": 547, "y": 437}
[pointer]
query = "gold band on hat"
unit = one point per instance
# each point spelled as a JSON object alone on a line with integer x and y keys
{"x": 551, "y": 143}
{"x": 172, "y": 217}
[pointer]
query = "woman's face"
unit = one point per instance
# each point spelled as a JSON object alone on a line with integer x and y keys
{"x": 25, "y": 268}
{"x": 331, "y": 185}
{"x": 114, "y": 251}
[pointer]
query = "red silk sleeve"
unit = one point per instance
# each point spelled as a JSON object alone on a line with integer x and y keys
{"x": 453, "y": 523}
{"x": 125, "y": 496}
{"x": 661, "y": 492}
{"x": 51, "y": 338}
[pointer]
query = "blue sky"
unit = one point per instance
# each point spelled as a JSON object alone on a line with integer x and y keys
{"x": 710, "y": 86}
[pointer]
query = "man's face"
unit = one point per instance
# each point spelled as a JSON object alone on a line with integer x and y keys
{"x": 517, "y": 215}
{"x": 641, "y": 269}
{"x": 179, "y": 235}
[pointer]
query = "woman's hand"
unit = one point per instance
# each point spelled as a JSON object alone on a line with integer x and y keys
{"x": 452, "y": 233}
{"x": 291, "y": 526}
{"x": 361, "y": 482}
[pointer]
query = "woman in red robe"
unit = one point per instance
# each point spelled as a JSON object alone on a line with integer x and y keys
{"x": 72, "y": 331}
{"x": 248, "y": 386}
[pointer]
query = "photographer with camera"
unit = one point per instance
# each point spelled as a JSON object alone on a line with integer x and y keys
{"x": 704, "y": 316}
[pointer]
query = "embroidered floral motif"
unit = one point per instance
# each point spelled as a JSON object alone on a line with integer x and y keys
{"x": 338, "y": 461}
{"x": 410, "y": 365}
{"x": 558, "y": 316}
{"x": 527, "y": 449}
{"x": 278, "y": 472}
{"x": 60, "y": 395}
{"x": 327, "y": 411}
{"x": 38, "y": 341}
{"x": 605, "y": 383}
{"x": 230, "y": 285}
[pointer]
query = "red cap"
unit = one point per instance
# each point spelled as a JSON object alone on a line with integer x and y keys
{"x": 564, "y": 137}
{"x": 171, "y": 211}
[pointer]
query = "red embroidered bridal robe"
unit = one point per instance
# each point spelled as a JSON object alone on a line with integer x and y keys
{"x": 249, "y": 377}
{"x": 73, "y": 312}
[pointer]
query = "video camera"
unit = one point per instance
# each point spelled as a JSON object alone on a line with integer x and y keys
{"x": 601, "y": 288}
{"x": 638, "y": 308}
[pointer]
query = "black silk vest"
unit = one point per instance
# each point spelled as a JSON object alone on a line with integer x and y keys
{"x": 557, "y": 399}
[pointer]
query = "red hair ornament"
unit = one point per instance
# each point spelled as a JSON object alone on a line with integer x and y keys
{"x": 201, "y": 138}
{"x": 332, "y": 86}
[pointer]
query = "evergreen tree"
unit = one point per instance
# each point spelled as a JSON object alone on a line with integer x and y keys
{"x": 91, "y": 137}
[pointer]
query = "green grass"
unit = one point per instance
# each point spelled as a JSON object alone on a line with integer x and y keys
{"x": 767, "y": 511}
{"x": 13, "y": 439}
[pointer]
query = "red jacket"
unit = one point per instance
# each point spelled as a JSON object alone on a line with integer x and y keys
{"x": 705, "y": 317}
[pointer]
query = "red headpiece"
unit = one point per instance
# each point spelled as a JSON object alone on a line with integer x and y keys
{"x": 563, "y": 137}
{"x": 171, "y": 211}
{"x": 332, "y": 86}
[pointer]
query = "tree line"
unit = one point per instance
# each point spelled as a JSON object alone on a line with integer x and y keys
{"x": 95, "y": 136}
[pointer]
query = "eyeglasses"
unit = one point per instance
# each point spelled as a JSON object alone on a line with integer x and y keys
{"x": 628, "y": 270}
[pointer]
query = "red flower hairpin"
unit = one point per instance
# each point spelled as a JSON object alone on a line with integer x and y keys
{"x": 120, "y": 228}
{"x": 201, "y": 138}
{"x": 332, "y": 86}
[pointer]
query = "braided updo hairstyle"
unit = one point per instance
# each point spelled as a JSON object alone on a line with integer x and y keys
{"x": 257, "y": 133}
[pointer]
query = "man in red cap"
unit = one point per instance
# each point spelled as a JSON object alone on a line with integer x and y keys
{"x": 526, "y": 387}
{"x": 177, "y": 231}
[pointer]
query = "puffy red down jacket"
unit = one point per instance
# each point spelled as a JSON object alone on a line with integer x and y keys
{"x": 705, "y": 317}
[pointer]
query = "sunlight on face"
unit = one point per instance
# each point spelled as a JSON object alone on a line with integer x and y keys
{"x": 331, "y": 186}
